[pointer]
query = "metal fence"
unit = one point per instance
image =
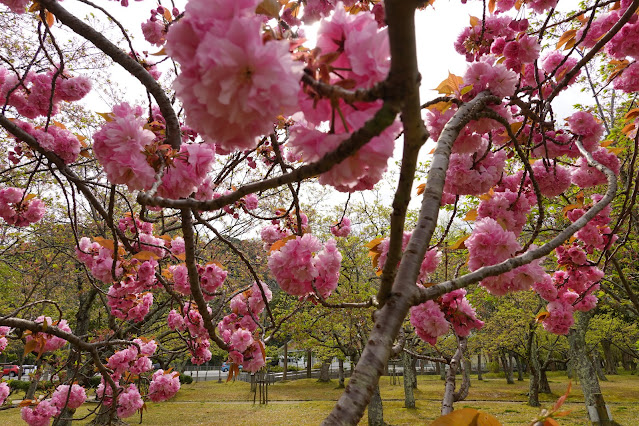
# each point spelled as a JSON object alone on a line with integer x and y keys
{"x": 208, "y": 373}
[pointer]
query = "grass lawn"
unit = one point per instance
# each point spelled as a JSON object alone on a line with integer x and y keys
{"x": 306, "y": 402}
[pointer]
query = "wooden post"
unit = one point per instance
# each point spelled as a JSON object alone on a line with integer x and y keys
{"x": 285, "y": 361}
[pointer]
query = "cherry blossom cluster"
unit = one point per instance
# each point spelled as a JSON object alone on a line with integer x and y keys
{"x": 129, "y": 146}
{"x": 433, "y": 319}
{"x": 246, "y": 203}
{"x": 342, "y": 228}
{"x": 64, "y": 396}
{"x": 19, "y": 209}
{"x": 211, "y": 275}
{"x": 490, "y": 244}
{"x": 3, "y": 338}
{"x": 164, "y": 385}
{"x": 4, "y": 392}
{"x": 31, "y": 96}
{"x": 280, "y": 229}
{"x": 428, "y": 266}
{"x": 360, "y": 50}
{"x": 45, "y": 342}
{"x": 233, "y": 84}
{"x": 132, "y": 360}
{"x": 119, "y": 146}
{"x": 155, "y": 29}
{"x": 99, "y": 260}
{"x": 190, "y": 319}
{"x": 55, "y": 138}
{"x": 129, "y": 399}
{"x": 132, "y": 280}
{"x": 304, "y": 266}
{"x": 239, "y": 329}
{"x": 572, "y": 288}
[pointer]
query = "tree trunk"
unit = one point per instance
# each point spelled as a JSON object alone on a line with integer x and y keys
{"x": 479, "y": 376}
{"x": 324, "y": 371}
{"x": 507, "y": 368}
{"x": 533, "y": 387}
{"x": 413, "y": 369}
{"x": 409, "y": 375}
{"x": 585, "y": 370}
{"x": 520, "y": 368}
{"x": 33, "y": 386}
{"x": 449, "y": 390}
{"x": 596, "y": 362}
{"x": 106, "y": 416}
{"x": 375, "y": 409}
{"x": 285, "y": 371}
{"x": 570, "y": 371}
{"x": 65, "y": 418}
{"x": 609, "y": 357}
{"x": 309, "y": 363}
{"x": 544, "y": 386}
{"x": 442, "y": 371}
{"x": 341, "y": 373}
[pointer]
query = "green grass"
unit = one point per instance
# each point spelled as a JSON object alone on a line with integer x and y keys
{"x": 306, "y": 402}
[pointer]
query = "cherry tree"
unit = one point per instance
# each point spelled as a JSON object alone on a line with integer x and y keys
{"x": 250, "y": 115}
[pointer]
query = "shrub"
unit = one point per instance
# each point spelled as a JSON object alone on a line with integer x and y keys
{"x": 95, "y": 381}
{"x": 18, "y": 385}
{"x": 185, "y": 379}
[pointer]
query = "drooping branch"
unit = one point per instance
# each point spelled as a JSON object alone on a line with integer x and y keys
{"x": 131, "y": 65}
{"x": 383, "y": 118}
{"x": 435, "y": 291}
{"x": 194, "y": 278}
{"x": 595, "y": 49}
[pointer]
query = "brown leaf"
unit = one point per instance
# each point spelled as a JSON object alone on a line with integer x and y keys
{"x": 471, "y": 215}
{"x": 50, "y": 19}
{"x": 459, "y": 244}
{"x": 421, "y": 188}
{"x": 146, "y": 255}
{"x": 105, "y": 243}
{"x": 463, "y": 417}
{"x": 540, "y": 317}
{"x": 487, "y": 419}
{"x": 167, "y": 14}
{"x": 281, "y": 243}
{"x": 565, "y": 37}
{"x": 270, "y": 8}
{"x": 632, "y": 114}
{"x": 30, "y": 346}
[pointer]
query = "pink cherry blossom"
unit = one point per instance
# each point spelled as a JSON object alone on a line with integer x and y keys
{"x": 233, "y": 85}
{"x": 129, "y": 401}
{"x": 585, "y": 176}
{"x": 16, "y": 6}
{"x": 70, "y": 396}
{"x": 429, "y": 321}
{"x": 154, "y": 31}
{"x": 489, "y": 244}
{"x": 119, "y": 147}
{"x": 163, "y": 385}
{"x": 4, "y": 392}
{"x": 41, "y": 414}
{"x": 552, "y": 180}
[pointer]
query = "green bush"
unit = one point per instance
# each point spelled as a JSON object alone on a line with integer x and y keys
{"x": 278, "y": 369}
{"x": 493, "y": 367}
{"x": 185, "y": 379}
{"x": 16, "y": 385}
{"x": 46, "y": 385}
{"x": 95, "y": 381}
